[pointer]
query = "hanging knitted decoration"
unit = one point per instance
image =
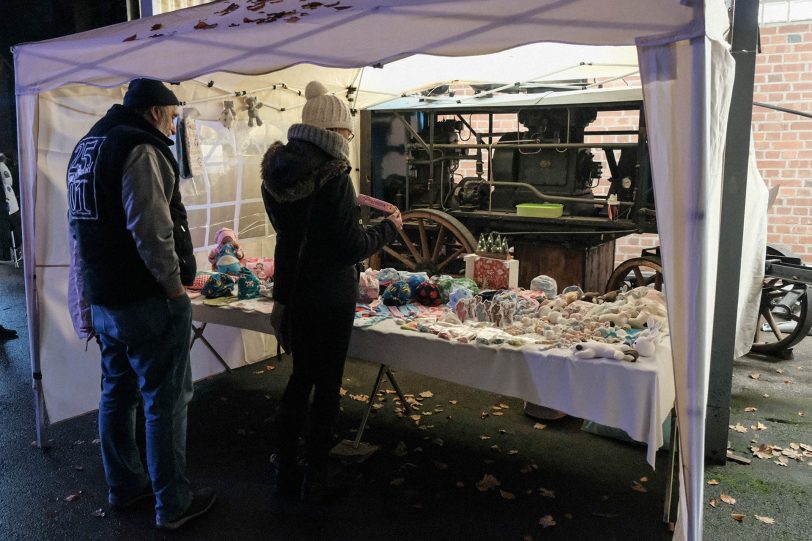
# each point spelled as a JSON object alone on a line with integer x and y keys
{"x": 428, "y": 294}
{"x": 397, "y": 294}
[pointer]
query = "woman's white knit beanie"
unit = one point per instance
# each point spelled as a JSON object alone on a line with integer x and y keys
{"x": 324, "y": 110}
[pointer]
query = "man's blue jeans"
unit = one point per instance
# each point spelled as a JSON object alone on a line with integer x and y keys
{"x": 145, "y": 347}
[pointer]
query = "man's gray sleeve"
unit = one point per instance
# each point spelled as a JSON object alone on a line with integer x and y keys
{"x": 146, "y": 188}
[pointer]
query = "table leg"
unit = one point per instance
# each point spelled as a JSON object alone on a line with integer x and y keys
{"x": 198, "y": 334}
{"x": 371, "y": 400}
{"x": 394, "y": 383}
{"x": 670, "y": 485}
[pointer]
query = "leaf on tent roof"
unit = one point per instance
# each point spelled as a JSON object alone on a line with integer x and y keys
{"x": 738, "y": 517}
{"x": 334, "y": 4}
{"x": 246, "y": 20}
{"x": 231, "y": 7}
{"x": 730, "y": 500}
{"x": 155, "y": 27}
{"x": 547, "y": 521}
{"x": 339, "y": 8}
{"x": 130, "y": 38}
{"x": 765, "y": 520}
{"x": 311, "y": 5}
{"x": 293, "y": 19}
{"x": 155, "y": 35}
{"x": 203, "y": 25}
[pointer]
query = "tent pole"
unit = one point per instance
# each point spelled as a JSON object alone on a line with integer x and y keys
{"x": 734, "y": 192}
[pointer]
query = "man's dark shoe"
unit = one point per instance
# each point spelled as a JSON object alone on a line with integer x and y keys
{"x": 202, "y": 501}
{"x": 123, "y": 505}
{"x": 7, "y": 334}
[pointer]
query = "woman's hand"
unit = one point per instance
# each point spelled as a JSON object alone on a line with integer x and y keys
{"x": 396, "y": 219}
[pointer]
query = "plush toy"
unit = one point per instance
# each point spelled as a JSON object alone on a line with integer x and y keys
{"x": 228, "y": 115}
{"x": 251, "y": 105}
{"x": 226, "y": 245}
{"x": 397, "y": 294}
{"x": 591, "y": 350}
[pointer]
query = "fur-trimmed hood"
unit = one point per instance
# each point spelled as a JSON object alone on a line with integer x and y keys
{"x": 291, "y": 172}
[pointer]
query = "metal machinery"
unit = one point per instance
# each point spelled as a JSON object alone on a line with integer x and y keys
{"x": 458, "y": 167}
{"x": 454, "y": 180}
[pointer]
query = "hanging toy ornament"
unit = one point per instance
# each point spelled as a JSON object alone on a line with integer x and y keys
{"x": 228, "y": 115}
{"x": 251, "y": 105}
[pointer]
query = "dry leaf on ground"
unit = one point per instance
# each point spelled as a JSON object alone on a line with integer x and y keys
{"x": 484, "y": 437}
{"x": 547, "y": 521}
{"x": 713, "y": 482}
{"x": 761, "y": 426}
{"x": 539, "y": 426}
{"x": 426, "y": 394}
{"x": 99, "y": 513}
{"x": 713, "y": 502}
{"x": 498, "y": 413}
{"x": 71, "y": 497}
{"x": 507, "y": 495}
{"x": 738, "y": 427}
{"x": 397, "y": 482}
{"x": 452, "y": 402}
{"x": 737, "y": 517}
{"x": 730, "y": 500}
{"x": 547, "y": 493}
{"x": 765, "y": 520}
{"x": 488, "y": 482}
{"x": 750, "y": 409}
{"x": 755, "y": 375}
{"x": 638, "y": 487}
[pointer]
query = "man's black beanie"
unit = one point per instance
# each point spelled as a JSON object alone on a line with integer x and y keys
{"x": 144, "y": 93}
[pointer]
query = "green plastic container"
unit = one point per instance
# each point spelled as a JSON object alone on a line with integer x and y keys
{"x": 540, "y": 210}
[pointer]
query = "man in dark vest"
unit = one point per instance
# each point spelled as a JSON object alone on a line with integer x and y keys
{"x": 134, "y": 253}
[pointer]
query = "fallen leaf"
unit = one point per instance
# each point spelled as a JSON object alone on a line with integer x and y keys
{"x": 440, "y": 465}
{"x": 605, "y": 515}
{"x": 755, "y": 375}
{"x": 805, "y": 447}
{"x": 761, "y": 426}
{"x": 507, "y": 495}
{"x": 397, "y": 481}
{"x": 765, "y": 520}
{"x": 547, "y": 521}
{"x": 71, "y": 497}
{"x": 547, "y": 493}
{"x": 484, "y": 437}
{"x": 438, "y": 442}
{"x": 484, "y": 414}
{"x": 360, "y": 397}
{"x": 203, "y": 25}
{"x": 416, "y": 418}
{"x": 226, "y": 11}
{"x": 452, "y": 402}
{"x": 737, "y": 517}
{"x": 495, "y": 447}
{"x": 400, "y": 449}
{"x": 800, "y": 414}
{"x": 750, "y": 409}
{"x": 779, "y": 370}
{"x": 765, "y": 395}
{"x": 638, "y": 487}
{"x": 713, "y": 482}
{"x": 488, "y": 482}
{"x": 498, "y": 413}
{"x": 782, "y": 461}
{"x": 513, "y": 452}
{"x": 426, "y": 394}
{"x": 739, "y": 427}
{"x": 504, "y": 406}
{"x": 713, "y": 502}
{"x": 643, "y": 479}
{"x": 99, "y": 513}
{"x": 342, "y": 391}
{"x": 730, "y": 500}
{"x": 130, "y": 38}
{"x": 539, "y": 426}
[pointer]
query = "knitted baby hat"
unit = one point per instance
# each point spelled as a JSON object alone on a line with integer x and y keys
{"x": 222, "y": 234}
{"x": 324, "y": 110}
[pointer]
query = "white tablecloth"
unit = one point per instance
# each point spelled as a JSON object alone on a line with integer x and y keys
{"x": 636, "y": 397}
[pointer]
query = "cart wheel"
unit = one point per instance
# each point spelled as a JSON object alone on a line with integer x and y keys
{"x": 784, "y": 317}
{"x": 636, "y": 272}
{"x": 431, "y": 241}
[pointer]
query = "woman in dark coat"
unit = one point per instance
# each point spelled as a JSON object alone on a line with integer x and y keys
{"x": 311, "y": 203}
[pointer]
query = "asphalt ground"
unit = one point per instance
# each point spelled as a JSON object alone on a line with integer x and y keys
{"x": 422, "y": 484}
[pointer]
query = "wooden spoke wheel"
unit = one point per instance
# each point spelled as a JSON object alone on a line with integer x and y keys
{"x": 784, "y": 316}
{"x": 640, "y": 271}
{"x": 431, "y": 241}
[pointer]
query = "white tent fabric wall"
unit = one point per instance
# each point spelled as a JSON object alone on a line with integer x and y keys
{"x": 684, "y": 84}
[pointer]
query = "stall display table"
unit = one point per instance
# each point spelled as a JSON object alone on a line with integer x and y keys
{"x": 635, "y": 397}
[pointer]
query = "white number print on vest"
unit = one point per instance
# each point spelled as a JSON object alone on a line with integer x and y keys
{"x": 82, "y": 180}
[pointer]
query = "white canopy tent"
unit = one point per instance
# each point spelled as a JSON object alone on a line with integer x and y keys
{"x": 64, "y": 85}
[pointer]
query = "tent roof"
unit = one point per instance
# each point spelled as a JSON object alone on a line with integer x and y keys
{"x": 261, "y": 36}
{"x": 514, "y": 102}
